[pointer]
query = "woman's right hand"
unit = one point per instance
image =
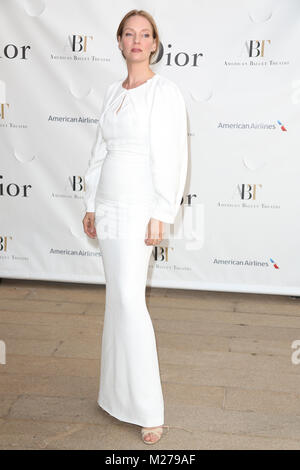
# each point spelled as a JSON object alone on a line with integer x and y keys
{"x": 155, "y": 231}
{"x": 89, "y": 224}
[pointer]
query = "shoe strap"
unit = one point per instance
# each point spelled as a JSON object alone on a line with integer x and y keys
{"x": 148, "y": 431}
{"x": 167, "y": 426}
{"x": 178, "y": 427}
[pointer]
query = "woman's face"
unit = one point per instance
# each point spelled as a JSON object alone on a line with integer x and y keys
{"x": 137, "y": 41}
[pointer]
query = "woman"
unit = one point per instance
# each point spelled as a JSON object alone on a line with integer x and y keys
{"x": 134, "y": 185}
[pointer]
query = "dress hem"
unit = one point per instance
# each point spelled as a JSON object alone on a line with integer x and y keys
{"x": 128, "y": 420}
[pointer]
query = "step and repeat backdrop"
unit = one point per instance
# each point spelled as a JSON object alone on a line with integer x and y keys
{"x": 238, "y": 67}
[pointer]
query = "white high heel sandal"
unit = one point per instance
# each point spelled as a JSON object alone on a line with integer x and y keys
{"x": 159, "y": 434}
{"x": 155, "y": 431}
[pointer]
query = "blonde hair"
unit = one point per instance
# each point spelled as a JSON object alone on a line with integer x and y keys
{"x": 151, "y": 21}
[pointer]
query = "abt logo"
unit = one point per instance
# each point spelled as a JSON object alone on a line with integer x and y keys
{"x": 2, "y": 109}
{"x": 2, "y": 352}
{"x": 161, "y": 253}
{"x": 248, "y": 191}
{"x": 79, "y": 43}
{"x": 4, "y": 242}
{"x": 77, "y": 183}
{"x": 256, "y": 48}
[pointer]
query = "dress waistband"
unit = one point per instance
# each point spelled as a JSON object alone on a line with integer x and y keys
{"x": 128, "y": 154}
{"x": 128, "y": 147}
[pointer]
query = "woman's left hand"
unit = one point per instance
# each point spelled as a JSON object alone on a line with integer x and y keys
{"x": 154, "y": 232}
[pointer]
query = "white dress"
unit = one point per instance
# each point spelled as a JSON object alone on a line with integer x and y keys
{"x": 137, "y": 170}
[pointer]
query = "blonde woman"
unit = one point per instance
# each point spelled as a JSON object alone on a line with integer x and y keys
{"x": 134, "y": 185}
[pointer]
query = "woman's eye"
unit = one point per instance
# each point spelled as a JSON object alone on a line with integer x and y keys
{"x": 146, "y": 34}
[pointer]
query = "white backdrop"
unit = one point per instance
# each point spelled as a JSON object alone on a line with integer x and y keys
{"x": 238, "y": 66}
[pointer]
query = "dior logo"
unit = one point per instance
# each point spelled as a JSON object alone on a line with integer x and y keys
{"x": 13, "y": 189}
{"x": 180, "y": 59}
{"x": 11, "y": 51}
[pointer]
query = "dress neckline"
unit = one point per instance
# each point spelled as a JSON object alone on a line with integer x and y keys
{"x": 139, "y": 86}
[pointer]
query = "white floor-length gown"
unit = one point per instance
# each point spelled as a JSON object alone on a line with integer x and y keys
{"x": 137, "y": 170}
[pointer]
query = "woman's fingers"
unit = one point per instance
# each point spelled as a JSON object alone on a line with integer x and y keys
{"x": 154, "y": 232}
{"x": 152, "y": 242}
{"x": 89, "y": 225}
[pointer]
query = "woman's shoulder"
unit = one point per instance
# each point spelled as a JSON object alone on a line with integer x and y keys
{"x": 165, "y": 84}
{"x": 166, "y": 89}
{"x": 162, "y": 80}
{"x": 110, "y": 91}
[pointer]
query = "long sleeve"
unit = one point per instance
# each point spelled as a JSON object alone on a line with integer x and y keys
{"x": 97, "y": 157}
{"x": 168, "y": 150}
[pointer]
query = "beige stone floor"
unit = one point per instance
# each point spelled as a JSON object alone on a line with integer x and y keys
{"x": 225, "y": 362}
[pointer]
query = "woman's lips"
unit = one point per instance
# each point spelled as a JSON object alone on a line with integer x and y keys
{"x": 136, "y": 50}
